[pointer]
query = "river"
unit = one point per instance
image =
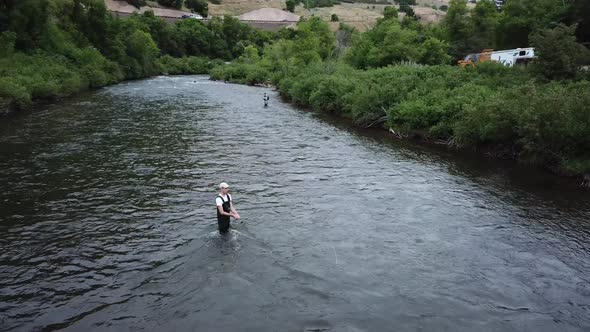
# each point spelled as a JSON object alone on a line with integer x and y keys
{"x": 107, "y": 223}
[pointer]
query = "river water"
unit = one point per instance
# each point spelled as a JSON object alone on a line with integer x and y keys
{"x": 107, "y": 223}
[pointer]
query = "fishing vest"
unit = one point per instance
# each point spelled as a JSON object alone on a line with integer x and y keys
{"x": 226, "y": 206}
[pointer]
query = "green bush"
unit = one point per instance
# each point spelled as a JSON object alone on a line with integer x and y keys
{"x": 242, "y": 73}
{"x": 199, "y": 6}
{"x": 559, "y": 56}
{"x": 302, "y": 89}
{"x": 7, "y": 41}
{"x": 329, "y": 95}
{"x": 488, "y": 105}
{"x": 257, "y": 75}
{"x": 390, "y": 12}
{"x": 545, "y": 124}
{"x": 14, "y": 93}
{"x": 172, "y": 66}
{"x": 188, "y": 65}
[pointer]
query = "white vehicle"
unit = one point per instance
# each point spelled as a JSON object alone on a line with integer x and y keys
{"x": 508, "y": 58}
{"x": 195, "y": 16}
{"x": 513, "y": 57}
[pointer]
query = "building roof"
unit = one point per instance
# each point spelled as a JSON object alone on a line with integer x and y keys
{"x": 269, "y": 15}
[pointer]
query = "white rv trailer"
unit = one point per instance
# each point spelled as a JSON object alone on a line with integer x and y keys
{"x": 511, "y": 57}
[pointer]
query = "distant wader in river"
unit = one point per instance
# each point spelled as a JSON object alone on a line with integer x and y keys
{"x": 266, "y": 99}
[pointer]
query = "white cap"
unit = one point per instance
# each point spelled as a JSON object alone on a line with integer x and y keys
{"x": 223, "y": 185}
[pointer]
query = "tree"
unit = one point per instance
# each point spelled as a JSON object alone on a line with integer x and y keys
{"x": 387, "y": 43}
{"x": 391, "y": 42}
{"x": 435, "y": 52}
{"x": 235, "y": 33}
{"x": 7, "y": 40}
{"x": 250, "y": 55}
{"x": 484, "y": 22}
{"x": 559, "y": 55}
{"x": 142, "y": 49}
{"x": 405, "y": 8}
{"x": 390, "y": 12}
{"x": 520, "y": 18}
{"x": 199, "y": 6}
{"x": 314, "y": 32}
{"x": 28, "y": 19}
{"x": 456, "y": 20}
{"x": 291, "y": 5}
{"x": 163, "y": 33}
{"x": 334, "y": 18}
{"x": 457, "y": 23}
{"x": 581, "y": 13}
{"x": 195, "y": 38}
{"x": 94, "y": 22}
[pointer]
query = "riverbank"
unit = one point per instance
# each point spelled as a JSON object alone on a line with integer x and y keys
{"x": 501, "y": 112}
{"x": 28, "y": 80}
{"x": 494, "y": 110}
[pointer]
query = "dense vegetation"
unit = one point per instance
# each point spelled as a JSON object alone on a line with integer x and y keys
{"x": 53, "y": 48}
{"x": 399, "y": 75}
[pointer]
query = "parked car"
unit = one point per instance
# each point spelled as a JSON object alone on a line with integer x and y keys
{"x": 194, "y": 16}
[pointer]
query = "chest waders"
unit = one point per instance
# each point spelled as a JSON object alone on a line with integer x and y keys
{"x": 223, "y": 221}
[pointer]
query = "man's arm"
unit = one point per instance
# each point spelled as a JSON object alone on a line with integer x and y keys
{"x": 233, "y": 209}
{"x": 223, "y": 213}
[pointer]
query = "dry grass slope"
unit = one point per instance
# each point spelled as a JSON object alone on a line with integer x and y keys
{"x": 359, "y": 15}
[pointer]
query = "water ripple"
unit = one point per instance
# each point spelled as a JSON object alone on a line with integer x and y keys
{"x": 107, "y": 223}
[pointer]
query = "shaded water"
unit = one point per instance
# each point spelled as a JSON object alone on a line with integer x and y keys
{"x": 107, "y": 222}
